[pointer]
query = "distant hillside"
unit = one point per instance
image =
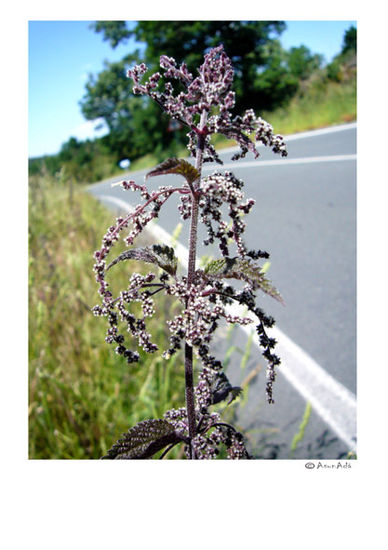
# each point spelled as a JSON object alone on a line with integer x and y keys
{"x": 327, "y": 97}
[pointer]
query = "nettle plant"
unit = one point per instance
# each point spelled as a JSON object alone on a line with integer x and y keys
{"x": 203, "y": 104}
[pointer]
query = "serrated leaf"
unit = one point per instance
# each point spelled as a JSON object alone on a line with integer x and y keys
{"x": 144, "y": 440}
{"x": 160, "y": 255}
{"x": 221, "y": 388}
{"x": 242, "y": 269}
{"x": 175, "y": 166}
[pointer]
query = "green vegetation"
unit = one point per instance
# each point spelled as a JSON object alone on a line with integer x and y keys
{"x": 321, "y": 104}
{"x": 326, "y": 96}
{"x": 82, "y": 161}
{"x": 82, "y": 395}
{"x": 298, "y": 437}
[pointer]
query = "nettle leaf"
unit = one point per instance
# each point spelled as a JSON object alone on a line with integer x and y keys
{"x": 221, "y": 388}
{"x": 175, "y": 166}
{"x": 144, "y": 440}
{"x": 157, "y": 254}
{"x": 242, "y": 269}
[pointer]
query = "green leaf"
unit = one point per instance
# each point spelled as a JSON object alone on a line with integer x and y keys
{"x": 242, "y": 269}
{"x": 144, "y": 440}
{"x": 175, "y": 166}
{"x": 160, "y": 255}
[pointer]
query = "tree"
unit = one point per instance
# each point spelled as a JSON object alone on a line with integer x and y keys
{"x": 114, "y": 31}
{"x": 275, "y": 84}
{"x": 302, "y": 63}
{"x": 344, "y": 64}
{"x": 350, "y": 40}
{"x": 107, "y": 97}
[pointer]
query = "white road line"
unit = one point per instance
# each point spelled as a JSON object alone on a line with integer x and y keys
{"x": 118, "y": 202}
{"x": 281, "y": 162}
{"x": 322, "y": 131}
{"x": 332, "y": 401}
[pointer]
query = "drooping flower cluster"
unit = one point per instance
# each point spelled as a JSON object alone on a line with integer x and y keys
{"x": 216, "y": 190}
{"x": 140, "y": 288}
{"x": 205, "y": 295}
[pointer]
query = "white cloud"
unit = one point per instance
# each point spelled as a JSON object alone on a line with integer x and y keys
{"x": 88, "y": 130}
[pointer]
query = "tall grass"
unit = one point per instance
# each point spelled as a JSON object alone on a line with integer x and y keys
{"x": 320, "y": 105}
{"x": 82, "y": 396}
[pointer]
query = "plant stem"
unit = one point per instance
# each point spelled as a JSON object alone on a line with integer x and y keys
{"x": 190, "y": 403}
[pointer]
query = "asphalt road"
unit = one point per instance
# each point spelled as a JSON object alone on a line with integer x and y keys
{"x": 305, "y": 216}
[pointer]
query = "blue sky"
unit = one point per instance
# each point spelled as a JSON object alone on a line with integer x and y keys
{"x": 63, "y": 53}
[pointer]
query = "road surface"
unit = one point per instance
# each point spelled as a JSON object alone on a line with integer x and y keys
{"x": 305, "y": 216}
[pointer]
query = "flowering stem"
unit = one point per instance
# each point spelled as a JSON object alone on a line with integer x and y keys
{"x": 190, "y": 404}
{"x": 209, "y": 98}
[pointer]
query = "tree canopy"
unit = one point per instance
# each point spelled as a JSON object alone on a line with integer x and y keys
{"x": 350, "y": 40}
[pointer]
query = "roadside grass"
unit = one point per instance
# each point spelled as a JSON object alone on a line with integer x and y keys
{"x": 82, "y": 396}
{"x": 319, "y": 107}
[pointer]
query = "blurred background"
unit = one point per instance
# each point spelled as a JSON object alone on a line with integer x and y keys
{"x": 86, "y": 126}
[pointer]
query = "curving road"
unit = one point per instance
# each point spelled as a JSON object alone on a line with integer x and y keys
{"x": 305, "y": 216}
